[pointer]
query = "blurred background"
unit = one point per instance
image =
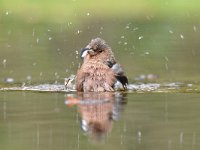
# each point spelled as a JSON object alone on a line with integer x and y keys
{"x": 155, "y": 41}
{"x": 40, "y": 40}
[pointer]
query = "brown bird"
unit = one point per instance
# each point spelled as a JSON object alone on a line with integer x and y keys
{"x": 99, "y": 71}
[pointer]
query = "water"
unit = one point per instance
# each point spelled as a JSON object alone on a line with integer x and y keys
{"x": 156, "y": 47}
{"x": 156, "y": 42}
{"x": 35, "y": 120}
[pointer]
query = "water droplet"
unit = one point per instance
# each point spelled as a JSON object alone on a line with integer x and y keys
{"x": 182, "y": 37}
{"x": 194, "y": 139}
{"x": 122, "y": 37}
{"x": 181, "y": 138}
{"x": 76, "y": 52}
{"x": 9, "y": 80}
{"x": 7, "y": 13}
{"x": 33, "y": 34}
{"x": 9, "y": 32}
{"x": 119, "y": 42}
{"x": 140, "y": 37}
{"x": 29, "y": 78}
{"x": 8, "y": 45}
{"x": 136, "y": 28}
{"x": 195, "y": 28}
{"x": 166, "y": 66}
{"x": 4, "y": 110}
{"x": 50, "y": 38}
{"x": 88, "y": 14}
{"x": 78, "y": 31}
{"x": 147, "y": 53}
{"x": 170, "y": 31}
{"x": 127, "y": 27}
{"x": 23, "y": 84}
{"x": 139, "y": 134}
{"x": 148, "y": 17}
{"x": 69, "y": 23}
{"x": 4, "y": 63}
{"x": 37, "y": 40}
{"x": 166, "y": 58}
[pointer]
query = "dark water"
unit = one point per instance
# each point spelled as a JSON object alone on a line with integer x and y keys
{"x": 33, "y": 120}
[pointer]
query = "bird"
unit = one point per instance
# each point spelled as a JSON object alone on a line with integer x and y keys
{"x": 99, "y": 71}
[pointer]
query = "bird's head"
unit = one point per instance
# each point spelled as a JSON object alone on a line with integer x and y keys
{"x": 95, "y": 47}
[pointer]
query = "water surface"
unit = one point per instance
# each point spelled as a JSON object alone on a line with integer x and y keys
{"x": 157, "y": 43}
{"x": 34, "y": 120}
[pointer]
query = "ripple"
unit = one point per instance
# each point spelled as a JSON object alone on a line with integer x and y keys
{"x": 132, "y": 88}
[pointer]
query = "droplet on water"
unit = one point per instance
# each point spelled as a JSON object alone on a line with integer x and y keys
{"x": 170, "y": 31}
{"x": 119, "y": 42}
{"x": 181, "y": 138}
{"x": 139, "y": 134}
{"x": 140, "y": 37}
{"x": 166, "y": 58}
{"x": 7, "y": 13}
{"x": 88, "y": 14}
{"x": 195, "y": 28}
{"x": 9, "y": 32}
{"x": 127, "y": 27}
{"x": 33, "y": 34}
{"x": 8, "y": 45}
{"x": 69, "y": 23}
{"x": 79, "y": 31}
{"x": 136, "y": 28}
{"x": 166, "y": 66}
{"x": 4, "y": 63}
{"x": 9, "y": 80}
{"x": 29, "y": 78}
{"x": 37, "y": 40}
{"x": 50, "y": 38}
{"x": 182, "y": 37}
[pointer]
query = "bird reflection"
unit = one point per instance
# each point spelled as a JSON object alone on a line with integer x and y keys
{"x": 98, "y": 111}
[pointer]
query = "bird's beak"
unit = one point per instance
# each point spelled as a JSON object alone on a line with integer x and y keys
{"x": 84, "y": 52}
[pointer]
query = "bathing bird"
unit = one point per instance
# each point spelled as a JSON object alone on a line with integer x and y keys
{"x": 99, "y": 71}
